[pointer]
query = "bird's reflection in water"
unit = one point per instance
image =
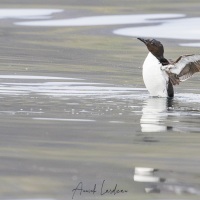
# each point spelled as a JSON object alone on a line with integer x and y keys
{"x": 155, "y": 114}
{"x": 165, "y": 181}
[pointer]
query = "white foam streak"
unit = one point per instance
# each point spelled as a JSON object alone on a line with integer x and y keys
{"x": 188, "y": 97}
{"x": 62, "y": 119}
{"x": 28, "y": 13}
{"x": 102, "y": 20}
{"x": 174, "y": 29}
{"x": 35, "y": 77}
{"x": 177, "y": 28}
{"x": 190, "y": 44}
{"x": 26, "y": 85}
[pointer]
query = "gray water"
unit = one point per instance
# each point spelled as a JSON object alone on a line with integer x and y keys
{"x": 74, "y": 110}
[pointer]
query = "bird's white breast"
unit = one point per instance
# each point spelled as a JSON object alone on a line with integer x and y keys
{"x": 154, "y": 78}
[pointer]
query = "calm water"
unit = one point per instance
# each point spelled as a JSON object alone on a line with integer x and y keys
{"x": 75, "y": 114}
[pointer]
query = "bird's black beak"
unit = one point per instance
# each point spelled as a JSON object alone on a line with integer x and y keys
{"x": 143, "y": 40}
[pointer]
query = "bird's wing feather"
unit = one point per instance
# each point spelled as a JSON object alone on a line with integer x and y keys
{"x": 183, "y": 68}
{"x": 186, "y": 66}
{"x": 174, "y": 79}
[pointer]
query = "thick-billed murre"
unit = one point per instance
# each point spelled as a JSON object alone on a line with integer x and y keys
{"x": 160, "y": 74}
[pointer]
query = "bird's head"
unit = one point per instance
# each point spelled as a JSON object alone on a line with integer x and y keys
{"x": 154, "y": 46}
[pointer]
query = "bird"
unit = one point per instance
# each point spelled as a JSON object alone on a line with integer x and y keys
{"x": 161, "y": 74}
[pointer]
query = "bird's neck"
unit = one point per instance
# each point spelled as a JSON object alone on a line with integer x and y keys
{"x": 159, "y": 59}
{"x": 151, "y": 59}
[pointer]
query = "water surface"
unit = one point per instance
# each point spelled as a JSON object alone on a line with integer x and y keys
{"x": 74, "y": 108}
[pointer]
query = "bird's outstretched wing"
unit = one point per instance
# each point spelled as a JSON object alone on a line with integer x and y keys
{"x": 183, "y": 68}
{"x": 187, "y": 65}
